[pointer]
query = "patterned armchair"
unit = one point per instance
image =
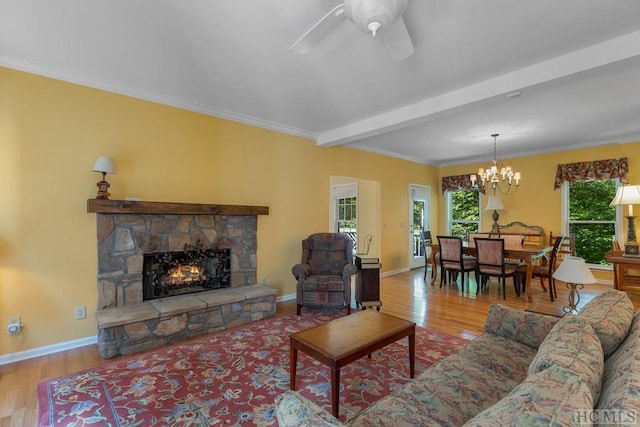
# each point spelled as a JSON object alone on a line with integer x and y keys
{"x": 324, "y": 275}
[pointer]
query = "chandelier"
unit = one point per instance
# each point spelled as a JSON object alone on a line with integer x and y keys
{"x": 497, "y": 177}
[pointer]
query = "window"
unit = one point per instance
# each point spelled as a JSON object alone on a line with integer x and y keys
{"x": 590, "y": 219}
{"x": 463, "y": 212}
{"x": 347, "y": 218}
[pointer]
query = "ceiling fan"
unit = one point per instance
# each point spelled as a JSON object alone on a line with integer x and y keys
{"x": 382, "y": 18}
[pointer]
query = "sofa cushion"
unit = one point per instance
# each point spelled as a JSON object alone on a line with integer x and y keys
{"x": 522, "y": 326}
{"x": 621, "y": 378}
{"x": 295, "y": 410}
{"x": 572, "y": 344}
{"x": 555, "y": 396}
{"x": 456, "y": 388}
{"x": 610, "y": 316}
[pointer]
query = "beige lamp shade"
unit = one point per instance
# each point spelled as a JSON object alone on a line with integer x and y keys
{"x": 627, "y": 195}
{"x": 494, "y": 204}
{"x": 574, "y": 270}
{"x": 105, "y": 165}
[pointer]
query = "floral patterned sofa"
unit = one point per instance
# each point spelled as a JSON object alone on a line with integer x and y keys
{"x": 526, "y": 369}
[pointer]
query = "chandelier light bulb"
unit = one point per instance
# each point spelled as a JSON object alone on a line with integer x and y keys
{"x": 499, "y": 178}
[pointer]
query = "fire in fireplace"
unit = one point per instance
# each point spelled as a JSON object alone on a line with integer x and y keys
{"x": 195, "y": 269}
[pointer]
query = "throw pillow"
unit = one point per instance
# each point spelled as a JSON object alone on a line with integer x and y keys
{"x": 574, "y": 345}
{"x": 610, "y": 315}
{"x": 517, "y": 325}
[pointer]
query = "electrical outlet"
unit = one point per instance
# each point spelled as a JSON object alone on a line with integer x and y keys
{"x": 81, "y": 312}
{"x": 14, "y": 325}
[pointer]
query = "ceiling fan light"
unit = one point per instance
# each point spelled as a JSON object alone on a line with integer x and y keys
{"x": 374, "y": 27}
{"x": 380, "y": 13}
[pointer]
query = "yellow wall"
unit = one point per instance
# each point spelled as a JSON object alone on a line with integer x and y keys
{"x": 50, "y": 135}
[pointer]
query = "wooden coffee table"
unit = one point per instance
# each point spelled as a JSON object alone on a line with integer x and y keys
{"x": 347, "y": 339}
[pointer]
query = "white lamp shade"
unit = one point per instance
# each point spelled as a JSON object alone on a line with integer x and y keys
{"x": 494, "y": 204}
{"x": 363, "y": 12}
{"x": 104, "y": 164}
{"x": 627, "y": 195}
{"x": 574, "y": 270}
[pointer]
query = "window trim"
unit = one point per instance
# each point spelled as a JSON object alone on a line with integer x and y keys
{"x": 565, "y": 219}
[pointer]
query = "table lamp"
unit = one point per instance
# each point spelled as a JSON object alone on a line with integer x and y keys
{"x": 494, "y": 204}
{"x": 575, "y": 273}
{"x": 104, "y": 165}
{"x": 629, "y": 195}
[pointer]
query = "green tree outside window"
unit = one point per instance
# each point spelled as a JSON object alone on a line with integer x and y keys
{"x": 591, "y": 220}
{"x": 465, "y": 212}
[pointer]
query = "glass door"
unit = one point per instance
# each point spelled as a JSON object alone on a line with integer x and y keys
{"x": 419, "y": 202}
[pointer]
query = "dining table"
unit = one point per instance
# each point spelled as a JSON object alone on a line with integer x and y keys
{"x": 528, "y": 253}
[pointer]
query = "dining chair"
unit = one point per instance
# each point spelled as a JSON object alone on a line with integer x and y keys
{"x": 490, "y": 262}
{"x": 511, "y": 240}
{"x": 453, "y": 260}
{"x": 567, "y": 247}
{"x": 616, "y": 245}
{"x": 426, "y": 242}
{"x": 544, "y": 271}
{"x": 473, "y": 236}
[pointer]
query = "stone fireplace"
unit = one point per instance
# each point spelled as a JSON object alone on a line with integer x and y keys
{"x": 128, "y": 232}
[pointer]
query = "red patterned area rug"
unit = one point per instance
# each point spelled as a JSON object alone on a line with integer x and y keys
{"x": 228, "y": 378}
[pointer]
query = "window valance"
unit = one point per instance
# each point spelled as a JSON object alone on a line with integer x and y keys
{"x": 458, "y": 182}
{"x": 602, "y": 170}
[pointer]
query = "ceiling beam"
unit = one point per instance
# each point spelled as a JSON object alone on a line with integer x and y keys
{"x": 598, "y": 55}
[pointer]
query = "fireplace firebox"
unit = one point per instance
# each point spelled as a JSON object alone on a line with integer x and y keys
{"x": 195, "y": 269}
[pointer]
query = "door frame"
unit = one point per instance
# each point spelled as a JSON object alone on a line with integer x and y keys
{"x": 417, "y": 192}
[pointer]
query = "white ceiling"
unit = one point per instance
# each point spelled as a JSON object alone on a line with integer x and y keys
{"x": 574, "y": 63}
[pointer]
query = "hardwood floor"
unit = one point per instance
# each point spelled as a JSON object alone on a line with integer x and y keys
{"x": 404, "y": 295}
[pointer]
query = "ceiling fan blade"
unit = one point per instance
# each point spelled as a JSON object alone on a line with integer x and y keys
{"x": 398, "y": 41}
{"x": 319, "y": 31}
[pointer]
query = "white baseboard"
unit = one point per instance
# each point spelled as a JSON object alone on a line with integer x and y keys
{"x": 49, "y": 349}
{"x": 392, "y": 272}
{"x": 286, "y": 298}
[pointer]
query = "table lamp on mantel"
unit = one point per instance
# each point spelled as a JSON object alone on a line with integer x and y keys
{"x": 575, "y": 273}
{"x": 104, "y": 165}
{"x": 629, "y": 195}
{"x": 494, "y": 204}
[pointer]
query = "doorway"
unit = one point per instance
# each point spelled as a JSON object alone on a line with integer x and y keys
{"x": 419, "y": 220}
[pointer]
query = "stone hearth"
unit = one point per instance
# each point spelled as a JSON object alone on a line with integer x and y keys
{"x": 127, "y": 230}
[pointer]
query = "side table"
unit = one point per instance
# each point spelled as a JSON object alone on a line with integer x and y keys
{"x": 622, "y": 280}
{"x": 368, "y": 283}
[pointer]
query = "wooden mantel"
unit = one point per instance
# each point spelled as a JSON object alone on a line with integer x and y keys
{"x": 170, "y": 208}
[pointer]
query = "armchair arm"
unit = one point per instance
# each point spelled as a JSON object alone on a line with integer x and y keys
{"x": 301, "y": 271}
{"x": 349, "y": 270}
